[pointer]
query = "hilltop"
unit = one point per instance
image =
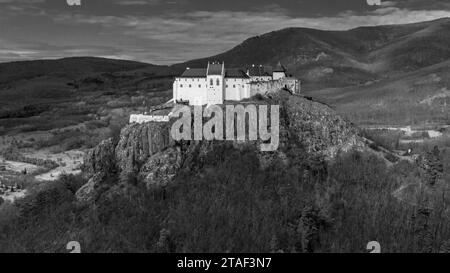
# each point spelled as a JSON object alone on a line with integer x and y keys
{"x": 142, "y": 192}
{"x": 28, "y": 82}
{"x": 66, "y": 67}
{"x": 148, "y": 151}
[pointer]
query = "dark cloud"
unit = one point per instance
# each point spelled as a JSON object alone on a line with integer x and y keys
{"x": 168, "y": 31}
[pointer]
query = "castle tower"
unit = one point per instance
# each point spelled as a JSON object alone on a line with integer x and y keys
{"x": 279, "y": 72}
{"x": 215, "y": 75}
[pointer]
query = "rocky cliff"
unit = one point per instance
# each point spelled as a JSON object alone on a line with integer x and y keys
{"x": 146, "y": 153}
{"x": 139, "y": 142}
{"x": 318, "y": 128}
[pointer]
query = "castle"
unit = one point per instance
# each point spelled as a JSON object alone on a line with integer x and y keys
{"x": 216, "y": 84}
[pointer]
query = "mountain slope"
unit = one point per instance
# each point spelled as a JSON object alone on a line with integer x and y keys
{"x": 44, "y": 81}
{"x": 67, "y": 67}
{"x": 414, "y": 98}
{"x": 49, "y": 93}
{"x": 339, "y": 58}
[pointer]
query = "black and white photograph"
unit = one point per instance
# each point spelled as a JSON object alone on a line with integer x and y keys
{"x": 243, "y": 130}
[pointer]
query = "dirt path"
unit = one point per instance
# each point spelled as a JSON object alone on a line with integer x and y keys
{"x": 409, "y": 133}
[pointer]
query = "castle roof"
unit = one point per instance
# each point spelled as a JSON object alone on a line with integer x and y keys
{"x": 202, "y": 73}
{"x": 236, "y": 73}
{"x": 194, "y": 73}
{"x": 279, "y": 68}
{"x": 215, "y": 69}
{"x": 258, "y": 71}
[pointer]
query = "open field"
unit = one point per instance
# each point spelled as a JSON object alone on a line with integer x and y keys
{"x": 46, "y": 155}
{"x": 69, "y": 163}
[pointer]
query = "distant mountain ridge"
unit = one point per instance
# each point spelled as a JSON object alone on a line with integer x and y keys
{"x": 341, "y": 58}
{"x": 51, "y": 81}
{"x": 331, "y": 58}
{"x": 68, "y": 67}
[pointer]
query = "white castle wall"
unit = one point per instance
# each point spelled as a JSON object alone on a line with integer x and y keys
{"x": 278, "y": 75}
{"x": 193, "y": 90}
{"x": 262, "y": 78}
{"x": 236, "y": 88}
{"x": 148, "y": 118}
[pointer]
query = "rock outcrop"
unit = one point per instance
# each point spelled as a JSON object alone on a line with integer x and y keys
{"x": 88, "y": 193}
{"x": 147, "y": 154}
{"x": 99, "y": 163}
{"x": 318, "y": 128}
{"x": 162, "y": 167}
{"x": 101, "y": 159}
{"x": 138, "y": 142}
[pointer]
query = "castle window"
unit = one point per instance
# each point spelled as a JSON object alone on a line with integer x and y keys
{"x": 190, "y": 86}
{"x": 218, "y": 82}
{"x": 199, "y": 85}
{"x": 226, "y": 86}
{"x": 181, "y": 85}
{"x": 211, "y": 82}
{"x": 234, "y": 85}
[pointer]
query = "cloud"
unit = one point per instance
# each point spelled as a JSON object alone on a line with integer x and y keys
{"x": 174, "y": 36}
{"x": 388, "y": 3}
{"x": 138, "y": 2}
{"x": 179, "y": 37}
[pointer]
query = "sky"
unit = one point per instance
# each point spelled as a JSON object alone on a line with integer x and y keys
{"x": 173, "y": 31}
